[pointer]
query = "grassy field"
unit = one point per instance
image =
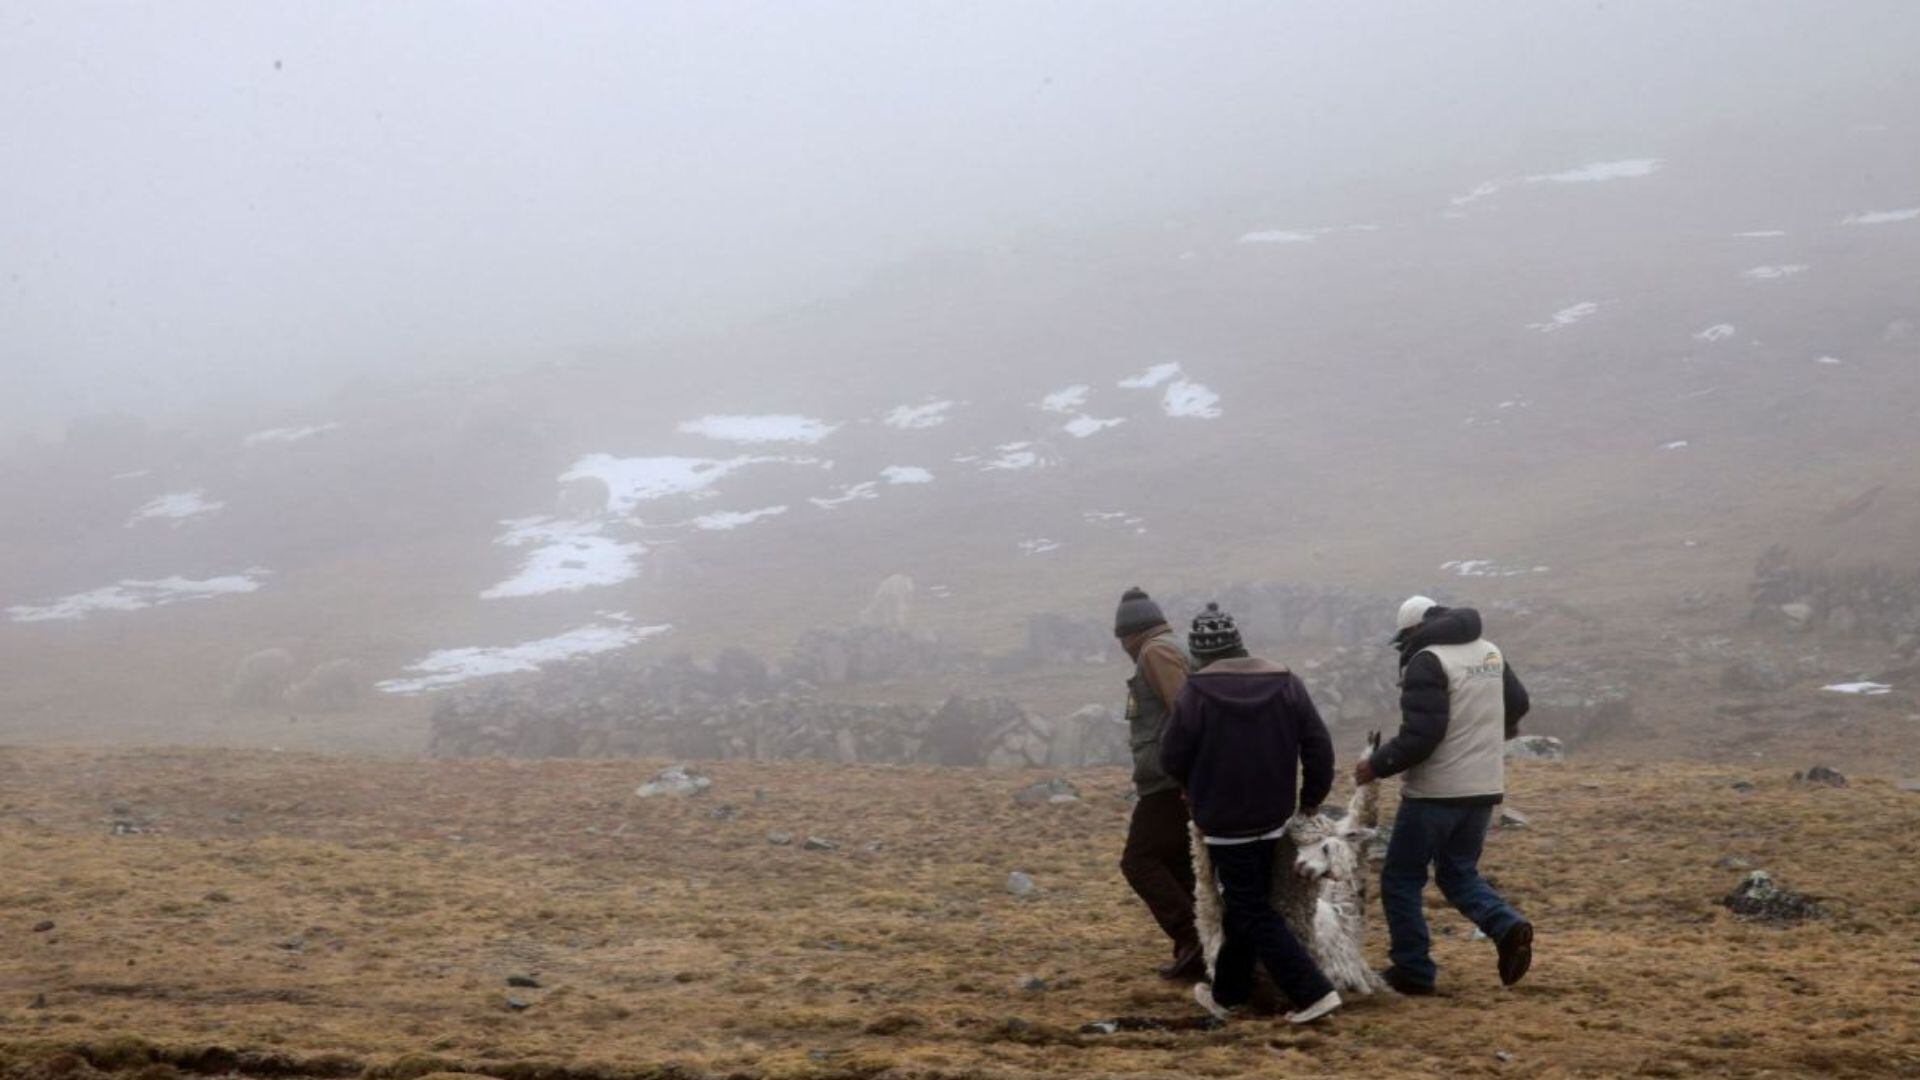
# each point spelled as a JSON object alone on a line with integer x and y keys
{"x": 278, "y": 914}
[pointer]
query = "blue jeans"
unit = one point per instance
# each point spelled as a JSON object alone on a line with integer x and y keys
{"x": 1449, "y": 839}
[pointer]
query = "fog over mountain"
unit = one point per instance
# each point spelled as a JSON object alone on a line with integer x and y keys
{"x": 256, "y": 203}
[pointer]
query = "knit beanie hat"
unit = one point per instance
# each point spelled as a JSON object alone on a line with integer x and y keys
{"x": 1213, "y": 634}
{"x": 1137, "y": 612}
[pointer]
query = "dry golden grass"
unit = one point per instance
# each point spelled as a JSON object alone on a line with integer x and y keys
{"x": 332, "y": 916}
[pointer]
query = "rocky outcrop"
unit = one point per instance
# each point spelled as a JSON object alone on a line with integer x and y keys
{"x": 1846, "y": 598}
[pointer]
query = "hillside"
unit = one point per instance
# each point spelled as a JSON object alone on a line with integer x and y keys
{"x": 1602, "y": 383}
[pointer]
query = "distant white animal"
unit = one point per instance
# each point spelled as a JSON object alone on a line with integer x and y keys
{"x": 892, "y": 603}
{"x": 261, "y": 677}
{"x": 334, "y": 686}
{"x": 1319, "y": 889}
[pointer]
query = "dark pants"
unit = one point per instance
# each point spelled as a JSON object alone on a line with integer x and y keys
{"x": 1449, "y": 839}
{"x": 1158, "y": 863}
{"x": 1255, "y": 930}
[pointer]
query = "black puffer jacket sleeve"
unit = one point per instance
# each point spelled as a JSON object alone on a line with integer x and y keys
{"x": 1516, "y": 698}
{"x": 1423, "y": 717}
{"x": 1316, "y": 752}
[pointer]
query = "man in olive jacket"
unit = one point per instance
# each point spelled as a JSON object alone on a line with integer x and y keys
{"x": 1157, "y": 861}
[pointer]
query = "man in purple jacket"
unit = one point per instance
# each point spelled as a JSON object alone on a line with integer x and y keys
{"x": 1242, "y": 733}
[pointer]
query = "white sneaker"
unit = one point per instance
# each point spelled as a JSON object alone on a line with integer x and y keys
{"x": 1316, "y": 1010}
{"x": 1203, "y": 994}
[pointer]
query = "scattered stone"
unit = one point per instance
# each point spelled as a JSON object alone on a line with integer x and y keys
{"x": 674, "y": 781}
{"x": 217, "y": 897}
{"x": 1055, "y": 790}
{"x": 1478, "y": 935}
{"x": 725, "y": 812}
{"x": 1759, "y": 898}
{"x": 43, "y": 926}
{"x": 1503, "y": 1055}
{"x": 779, "y": 839}
{"x": 1797, "y": 612}
{"x": 1733, "y": 862}
{"x": 516, "y": 1004}
{"x": 1513, "y": 819}
{"x": 1742, "y": 785}
{"x": 816, "y": 843}
{"x": 1099, "y": 1027}
{"x": 872, "y": 847}
{"x": 1019, "y": 883}
{"x": 1821, "y": 774}
{"x": 1537, "y": 748}
{"x": 1033, "y": 984}
{"x": 524, "y": 982}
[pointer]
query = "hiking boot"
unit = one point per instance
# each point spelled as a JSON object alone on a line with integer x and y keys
{"x": 1316, "y": 1010}
{"x": 1516, "y": 952}
{"x": 1203, "y": 996}
{"x": 1403, "y": 983}
{"x": 1189, "y": 964}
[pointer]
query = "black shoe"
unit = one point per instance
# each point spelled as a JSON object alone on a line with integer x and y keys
{"x": 1404, "y": 984}
{"x": 1189, "y": 965}
{"x": 1516, "y": 953}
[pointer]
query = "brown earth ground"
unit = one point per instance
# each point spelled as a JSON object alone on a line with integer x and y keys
{"x": 327, "y": 916}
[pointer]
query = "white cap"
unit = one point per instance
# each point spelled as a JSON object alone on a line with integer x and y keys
{"x": 1413, "y": 611}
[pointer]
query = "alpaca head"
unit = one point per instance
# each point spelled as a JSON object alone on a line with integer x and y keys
{"x": 1334, "y": 857}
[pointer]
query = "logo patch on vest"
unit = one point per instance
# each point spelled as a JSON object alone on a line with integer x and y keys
{"x": 1489, "y": 668}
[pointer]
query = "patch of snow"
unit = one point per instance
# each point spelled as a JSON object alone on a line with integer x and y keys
{"x": 134, "y": 595}
{"x": 1677, "y": 444}
{"x": 1716, "y": 332}
{"x": 1278, "y": 236}
{"x": 916, "y": 417}
{"x": 1774, "y": 273}
{"x": 1881, "y": 217}
{"x": 1082, "y": 426}
{"x": 1067, "y": 399}
{"x": 771, "y": 428}
{"x": 866, "y": 489}
{"x": 1601, "y": 171}
{"x": 1039, "y": 545}
{"x": 1190, "y": 400}
{"x": 1566, "y": 317}
{"x": 632, "y": 481}
{"x": 176, "y": 506}
{"x": 448, "y": 667}
{"x": 1830, "y": 361}
{"x": 1761, "y": 234}
{"x": 1013, "y": 457}
{"x": 733, "y": 519}
{"x": 1870, "y": 689}
{"x": 906, "y": 474}
{"x": 1487, "y": 568}
{"x": 1151, "y": 377}
{"x": 289, "y": 434}
{"x": 1594, "y": 173}
{"x": 568, "y": 556}
{"x": 1116, "y": 517}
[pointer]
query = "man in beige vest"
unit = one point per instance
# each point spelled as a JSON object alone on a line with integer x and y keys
{"x": 1459, "y": 704}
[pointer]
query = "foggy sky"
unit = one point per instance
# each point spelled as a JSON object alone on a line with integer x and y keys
{"x": 252, "y": 201}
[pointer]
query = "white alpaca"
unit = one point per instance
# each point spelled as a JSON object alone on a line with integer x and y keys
{"x": 1319, "y": 888}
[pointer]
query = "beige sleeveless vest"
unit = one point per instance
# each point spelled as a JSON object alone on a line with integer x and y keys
{"x": 1471, "y": 760}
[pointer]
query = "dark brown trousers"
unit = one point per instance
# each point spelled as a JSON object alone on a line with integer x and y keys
{"x": 1158, "y": 864}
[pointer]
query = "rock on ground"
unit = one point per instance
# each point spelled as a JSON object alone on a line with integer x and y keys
{"x": 674, "y": 781}
{"x": 1760, "y": 898}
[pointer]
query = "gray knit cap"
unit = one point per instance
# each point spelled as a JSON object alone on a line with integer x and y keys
{"x": 1137, "y": 612}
